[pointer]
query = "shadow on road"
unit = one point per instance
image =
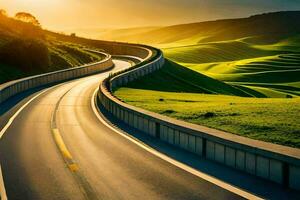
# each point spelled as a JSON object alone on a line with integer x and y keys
{"x": 252, "y": 184}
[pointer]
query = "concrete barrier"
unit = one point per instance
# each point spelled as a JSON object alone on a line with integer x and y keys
{"x": 12, "y": 88}
{"x": 273, "y": 162}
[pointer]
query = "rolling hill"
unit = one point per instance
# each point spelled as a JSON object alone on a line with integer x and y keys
{"x": 220, "y": 66}
{"x": 257, "y": 27}
{"x": 26, "y": 49}
{"x": 250, "y": 53}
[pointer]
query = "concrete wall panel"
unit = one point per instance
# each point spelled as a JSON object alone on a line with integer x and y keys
{"x": 230, "y": 156}
{"x": 192, "y": 143}
{"x": 294, "y": 177}
{"x": 170, "y": 136}
{"x": 165, "y": 133}
{"x": 220, "y": 153}
{"x": 199, "y": 146}
{"x": 141, "y": 123}
{"x": 135, "y": 123}
{"x": 176, "y": 138}
{"x": 276, "y": 171}
{"x": 250, "y": 163}
{"x": 183, "y": 140}
{"x": 152, "y": 128}
{"x": 146, "y": 126}
{"x": 240, "y": 160}
{"x": 262, "y": 167}
{"x": 210, "y": 150}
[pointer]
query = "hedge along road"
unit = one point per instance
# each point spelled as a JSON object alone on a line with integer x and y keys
{"x": 56, "y": 148}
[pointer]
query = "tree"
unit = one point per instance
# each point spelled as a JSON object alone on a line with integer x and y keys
{"x": 27, "y": 17}
{"x": 3, "y": 12}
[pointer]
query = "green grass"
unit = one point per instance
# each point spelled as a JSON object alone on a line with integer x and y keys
{"x": 176, "y": 78}
{"x": 240, "y": 63}
{"x": 66, "y": 55}
{"x": 248, "y": 86}
{"x": 214, "y": 52}
{"x": 269, "y": 119}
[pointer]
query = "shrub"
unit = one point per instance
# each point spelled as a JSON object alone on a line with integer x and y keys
{"x": 27, "y": 55}
{"x": 3, "y": 12}
{"x": 209, "y": 115}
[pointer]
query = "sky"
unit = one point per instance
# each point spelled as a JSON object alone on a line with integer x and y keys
{"x": 62, "y": 15}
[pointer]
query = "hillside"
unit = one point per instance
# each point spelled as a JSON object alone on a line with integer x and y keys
{"x": 215, "y": 70}
{"x": 265, "y": 58}
{"x": 176, "y": 78}
{"x": 27, "y": 49}
{"x": 110, "y": 34}
{"x": 278, "y": 25}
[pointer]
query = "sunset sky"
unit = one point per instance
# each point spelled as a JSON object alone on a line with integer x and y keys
{"x": 72, "y": 14}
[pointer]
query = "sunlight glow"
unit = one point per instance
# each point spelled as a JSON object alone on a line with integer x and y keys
{"x": 66, "y": 14}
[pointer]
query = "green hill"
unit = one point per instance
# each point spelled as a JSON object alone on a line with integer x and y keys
{"x": 27, "y": 49}
{"x": 176, "y": 78}
{"x": 240, "y": 62}
{"x": 220, "y": 66}
{"x": 277, "y": 25}
{"x": 184, "y": 94}
{"x": 247, "y": 53}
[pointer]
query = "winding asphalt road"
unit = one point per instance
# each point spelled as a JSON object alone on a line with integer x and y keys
{"x": 57, "y": 148}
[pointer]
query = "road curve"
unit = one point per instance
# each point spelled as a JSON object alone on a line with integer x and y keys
{"x": 104, "y": 164}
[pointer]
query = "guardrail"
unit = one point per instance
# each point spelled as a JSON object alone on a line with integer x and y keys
{"x": 12, "y": 88}
{"x": 273, "y": 162}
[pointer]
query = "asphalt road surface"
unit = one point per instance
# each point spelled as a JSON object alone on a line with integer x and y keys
{"x": 56, "y": 148}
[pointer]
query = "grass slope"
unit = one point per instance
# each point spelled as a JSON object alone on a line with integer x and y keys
{"x": 231, "y": 62}
{"x": 242, "y": 63}
{"x": 176, "y": 78}
{"x": 181, "y": 93}
{"x": 268, "y": 27}
{"x": 268, "y": 119}
{"x": 61, "y": 53}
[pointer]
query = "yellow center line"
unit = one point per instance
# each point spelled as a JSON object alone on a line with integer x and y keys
{"x": 64, "y": 150}
{"x": 73, "y": 167}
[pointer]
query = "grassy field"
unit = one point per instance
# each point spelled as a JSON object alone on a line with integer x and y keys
{"x": 269, "y": 119}
{"x": 184, "y": 94}
{"x": 176, "y": 78}
{"x": 268, "y": 69}
{"x": 242, "y": 82}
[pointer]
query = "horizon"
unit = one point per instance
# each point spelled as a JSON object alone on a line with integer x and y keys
{"x": 63, "y": 15}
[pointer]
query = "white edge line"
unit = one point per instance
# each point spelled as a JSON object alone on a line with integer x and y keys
{"x": 2, "y": 188}
{"x": 3, "y": 195}
{"x": 11, "y": 120}
{"x": 178, "y": 164}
